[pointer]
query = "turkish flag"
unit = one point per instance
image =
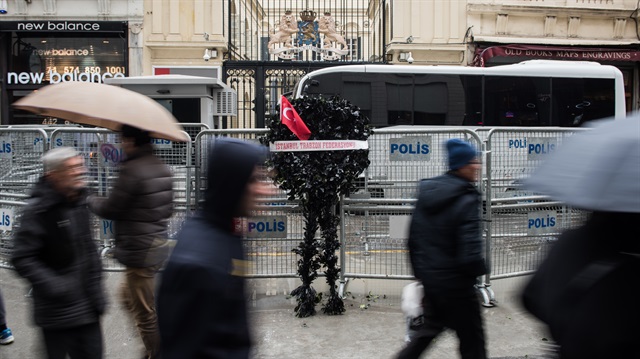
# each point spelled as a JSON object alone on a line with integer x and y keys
{"x": 291, "y": 119}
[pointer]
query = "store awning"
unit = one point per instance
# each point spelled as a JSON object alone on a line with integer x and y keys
{"x": 483, "y": 54}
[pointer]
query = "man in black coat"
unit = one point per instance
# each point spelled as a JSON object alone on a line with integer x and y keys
{"x": 202, "y": 309}
{"x": 585, "y": 291}
{"x": 54, "y": 250}
{"x": 446, "y": 252}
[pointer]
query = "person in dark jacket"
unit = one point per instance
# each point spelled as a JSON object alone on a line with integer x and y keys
{"x": 54, "y": 250}
{"x": 446, "y": 252}
{"x": 585, "y": 291}
{"x": 140, "y": 205}
{"x": 202, "y": 308}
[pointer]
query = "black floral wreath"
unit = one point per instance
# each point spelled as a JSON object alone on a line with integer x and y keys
{"x": 317, "y": 179}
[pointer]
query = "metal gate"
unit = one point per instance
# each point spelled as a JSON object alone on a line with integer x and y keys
{"x": 259, "y": 88}
{"x": 273, "y": 45}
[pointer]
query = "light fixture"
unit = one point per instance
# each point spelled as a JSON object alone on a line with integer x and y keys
{"x": 209, "y": 53}
{"x": 405, "y": 57}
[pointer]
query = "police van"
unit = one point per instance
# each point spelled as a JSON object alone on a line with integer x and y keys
{"x": 532, "y": 94}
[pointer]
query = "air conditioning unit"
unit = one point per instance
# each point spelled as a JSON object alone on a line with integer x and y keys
{"x": 225, "y": 102}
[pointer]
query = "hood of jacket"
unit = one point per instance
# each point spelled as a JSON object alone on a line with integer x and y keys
{"x": 230, "y": 166}
{"x": 439, "y": 192}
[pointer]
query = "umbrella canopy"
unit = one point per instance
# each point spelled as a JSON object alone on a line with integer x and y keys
{"x": 598, "y": 169}
{"x": 103, "y": 106}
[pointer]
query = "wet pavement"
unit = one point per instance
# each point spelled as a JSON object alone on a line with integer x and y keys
{"x": 372, "y": 326}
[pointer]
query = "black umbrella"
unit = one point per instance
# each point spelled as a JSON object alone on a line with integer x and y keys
{"x": 598, "y": 169}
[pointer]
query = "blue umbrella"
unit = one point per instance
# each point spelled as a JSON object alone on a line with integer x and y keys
{"x": 598, "y": 169}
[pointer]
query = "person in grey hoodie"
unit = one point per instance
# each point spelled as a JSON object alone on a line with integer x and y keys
{"x": 446, "y": 252}
{"x": 202, "y": 309}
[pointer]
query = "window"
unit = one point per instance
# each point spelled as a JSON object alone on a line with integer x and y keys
{"x": 354, "y": 49}
{"x": 577, "y": 101}
{"x": 517, "y": 101}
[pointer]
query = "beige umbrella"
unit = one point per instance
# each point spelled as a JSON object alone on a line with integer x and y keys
{"x": 105, "y": 106}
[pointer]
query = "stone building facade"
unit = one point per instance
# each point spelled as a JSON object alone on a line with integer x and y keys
{"x": 493, "y": 32}
{"x": 246, "y": 44}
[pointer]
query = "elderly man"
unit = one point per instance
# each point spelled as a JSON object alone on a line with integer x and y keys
{"x": 54, "y": 250}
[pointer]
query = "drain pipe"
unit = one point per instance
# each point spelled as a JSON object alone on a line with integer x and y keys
{"x": 343, "y": 281}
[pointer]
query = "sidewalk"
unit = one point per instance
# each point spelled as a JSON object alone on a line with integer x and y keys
{"x": 372, "y": 327}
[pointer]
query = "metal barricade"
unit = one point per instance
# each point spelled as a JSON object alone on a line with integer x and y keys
{"x": 204, "y": 141}
{"x": 522, "y": 224}
{"x": 519, "y": 225}
{"x": 20, "y": 152}
{"x": 20, "y": 169}
{"x": 10, "y": 211}
{"x": 270, "y": 254}
{"x": 373, "y": 238}
{"x": 375, "y": 220}
{"x": 193, "y": 129}
{"x": 103, "y": 153}
{"x": 402, "y": 156}
{"x": 372, "y": 226}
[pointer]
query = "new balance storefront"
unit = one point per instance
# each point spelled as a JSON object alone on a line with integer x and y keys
{"x": 625, "y": 59}
{"x": 38, "y": 53}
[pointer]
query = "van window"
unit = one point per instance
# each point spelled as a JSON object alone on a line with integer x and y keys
{"x": 517, "y": 101}
{"x": 577, "y": 101}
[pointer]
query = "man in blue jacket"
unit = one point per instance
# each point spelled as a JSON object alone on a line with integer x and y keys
{"x": 202, "y": 309}
{"x": 445, "y": 247}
